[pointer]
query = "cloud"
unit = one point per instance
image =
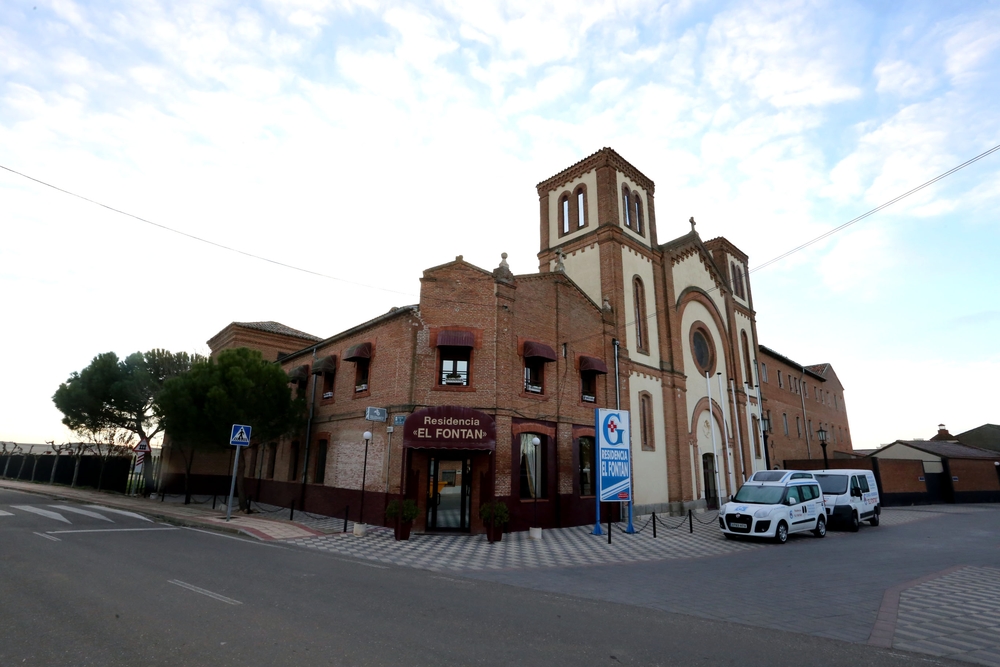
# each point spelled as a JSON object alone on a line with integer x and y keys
{"x": 902, "y": 78}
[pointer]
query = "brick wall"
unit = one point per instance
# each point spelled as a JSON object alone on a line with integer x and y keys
{"x": 901, "y": 476}
{"x": 974, "y": 475}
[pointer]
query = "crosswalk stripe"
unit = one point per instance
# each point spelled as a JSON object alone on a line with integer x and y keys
{"x": 77, "y": 510}
{"x": 39, "y": 511}
{"x": 122, "y": 512}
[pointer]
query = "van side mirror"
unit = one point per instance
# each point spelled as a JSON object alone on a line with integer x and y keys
{"x": 856, "y": 492}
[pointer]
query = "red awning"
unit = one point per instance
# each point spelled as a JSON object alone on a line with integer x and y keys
{"x": 358, "y": 352}
{"x": 592, "y": 364}
{"x": 450, "y": 427}
{"x": 455, "y": 339}
{"x": 533, "y": 350}
{"x": 327, "y": 364}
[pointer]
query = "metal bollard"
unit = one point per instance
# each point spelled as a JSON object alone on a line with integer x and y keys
{"x": 347, "y": 510}
{"x": 609, "y": 531}
{"x": 690, "y": 522}
{"x": 291, "y": 511}
{"x": 654, "y": 525}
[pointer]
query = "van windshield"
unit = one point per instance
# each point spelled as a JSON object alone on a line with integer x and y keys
{"x": 761, "y": 495}
{"x": 833, "y": 484}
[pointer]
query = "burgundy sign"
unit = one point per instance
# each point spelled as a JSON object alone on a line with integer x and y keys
{"x": 450, "y": 427}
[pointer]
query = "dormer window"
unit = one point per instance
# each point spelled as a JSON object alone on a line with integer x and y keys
{"x": 361, "y": 356}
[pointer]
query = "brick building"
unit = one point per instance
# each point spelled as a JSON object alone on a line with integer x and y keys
{"x": 496, "y": 376}
{"x": 798, "y": 402}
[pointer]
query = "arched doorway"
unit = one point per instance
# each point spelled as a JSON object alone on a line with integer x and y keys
{"x": 711, "y": 490}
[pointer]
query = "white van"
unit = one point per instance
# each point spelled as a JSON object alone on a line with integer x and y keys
{"x": 851, "y": 497}
{"x": 774, "y": 503}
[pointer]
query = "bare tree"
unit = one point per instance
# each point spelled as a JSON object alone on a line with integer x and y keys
{"x": 107, "y": 443}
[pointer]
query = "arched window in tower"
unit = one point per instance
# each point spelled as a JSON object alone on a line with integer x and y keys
{"x": 746, "y": 358}
{"x": 646, "y": 422}
{"x": 743, "y": 287}
{"x": 637, "y": 205}
{"x": 626, "y": 206}
{"x": 564, "y": 214}
{"x": 639, "y": 306}
{"x": 581, "y": 207}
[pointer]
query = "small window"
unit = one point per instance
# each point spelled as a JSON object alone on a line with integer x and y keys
{"x": 588, "y": 386}
{"x": 763, "y": 371}
{"x": 454, "y": 367}
{"x": 637, "y": 208}
{"x": 534, "y": 375}
{"x": 646, "y": 422}
{"x": 639, "y": 304}
{"x": 581, "y": 208}
{"x": 627, "y": 207}
{"x": 532, "y": 466}
{"x": 328, "y": 385}
{"x": 805, "y": 389}
{"x": 798, "y": 426}
{"x": 780, "y": 383}
{"x": 564, "y": 213}
{"x": 784, "y": 418}
{"x": 746, "y": 357}
{"x": 588, "y": 465}
{"x": 361, "y": 375}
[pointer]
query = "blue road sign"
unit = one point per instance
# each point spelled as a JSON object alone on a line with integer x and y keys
{"x": 240, "y": 436}
{"x": 614, "y": 455}
{"x": 376, "y": 414}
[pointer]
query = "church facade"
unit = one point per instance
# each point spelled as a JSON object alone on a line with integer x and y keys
{"x": 488, "y": 385}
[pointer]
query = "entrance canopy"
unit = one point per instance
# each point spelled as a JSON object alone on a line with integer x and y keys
{"x": 450, "y": 427}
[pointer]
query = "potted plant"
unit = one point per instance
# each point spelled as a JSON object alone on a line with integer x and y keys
{"x": 496, "y": 516}
{"x": 403, "y": 513}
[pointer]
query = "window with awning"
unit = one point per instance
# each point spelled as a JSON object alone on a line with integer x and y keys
{"x": 358, "y": 352}
{"x": 299, "y": 373}
{"x": 361, "y": 355}
{"x": 326, "y": 367}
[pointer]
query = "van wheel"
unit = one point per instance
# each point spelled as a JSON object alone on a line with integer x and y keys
{"x": 781, "y": 534}
{"x": 820, "y": 530}
{"x": 874, "y": 520}
{"x": 855, "y": 522}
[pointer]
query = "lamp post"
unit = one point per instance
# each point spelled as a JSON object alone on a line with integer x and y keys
{"x": 367, "y": 435}
{"x": 821, "y": 433}
{"x": 535, "y": 442}
{"x": 765, "y": 426}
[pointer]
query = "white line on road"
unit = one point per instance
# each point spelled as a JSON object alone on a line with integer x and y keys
{"x": 77, "y": 510}
{"x": 2, "y": 513}
{"x": 122, "y": 512}
{"x": 106, "y": 530}
{"x": 358, "y": 562}
{"x": 216, "y": 596}
{"x": 39, "y": 511}
{"x": 238, "y": 539}
{"x": 48, "y": 537}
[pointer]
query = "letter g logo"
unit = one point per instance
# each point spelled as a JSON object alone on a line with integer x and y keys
{"x": 613, "y": 432}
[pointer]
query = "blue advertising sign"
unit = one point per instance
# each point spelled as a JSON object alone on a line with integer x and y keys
{"x": 613, "y": 455}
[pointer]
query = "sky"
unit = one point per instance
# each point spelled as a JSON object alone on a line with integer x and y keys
{"x": 367, "y": 141}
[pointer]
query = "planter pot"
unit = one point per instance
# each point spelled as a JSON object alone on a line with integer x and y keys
{"x": 402, "y": 530}
{"x": 535, "y": 533}
{"x": 360, "y": 529}
{"x": 494, "y": 534}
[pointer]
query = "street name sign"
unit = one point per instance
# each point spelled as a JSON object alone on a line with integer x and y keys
{"x": 240, "y": 435}
{"x": 376, "y": 414}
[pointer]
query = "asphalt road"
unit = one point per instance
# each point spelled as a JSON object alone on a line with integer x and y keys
{"x": 141, "y": 593}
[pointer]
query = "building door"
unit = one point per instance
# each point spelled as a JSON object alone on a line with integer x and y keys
{"x": 449, "y": 494}
{"x": 711, "y": 494}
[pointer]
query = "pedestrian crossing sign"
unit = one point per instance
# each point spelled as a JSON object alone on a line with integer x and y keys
{"x": 240, "y": 436}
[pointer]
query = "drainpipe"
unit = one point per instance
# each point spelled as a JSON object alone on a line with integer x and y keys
{"x": 618, "y": 382}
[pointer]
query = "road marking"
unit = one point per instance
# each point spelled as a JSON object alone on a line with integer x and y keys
{"x": 39, "y": 511}
{"x": 216, "y": 596}
{"x": 454, "y": 581}
{"x": 106, "y": 530}
{"x": 122, "y": 512}
{"x": 48, "y": 537}
{"x": 238, "y": 539}
{"x": 77, "y": 510}
{"x": 358, "y": 562}
{"x": 2, "y": 513}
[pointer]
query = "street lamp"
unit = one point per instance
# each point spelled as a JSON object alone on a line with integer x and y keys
{"x": 535, "y": 442}
{"x": 367, "y": 435}
{"x": 821, "y": 433}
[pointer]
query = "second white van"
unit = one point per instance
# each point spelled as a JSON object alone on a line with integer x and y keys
{"x": 851, "y": 497}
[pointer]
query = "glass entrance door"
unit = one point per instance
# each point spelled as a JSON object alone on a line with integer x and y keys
{"x": 449, "y": 494}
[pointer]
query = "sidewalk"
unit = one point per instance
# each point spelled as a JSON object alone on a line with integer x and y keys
{"x": 194, "y": 516}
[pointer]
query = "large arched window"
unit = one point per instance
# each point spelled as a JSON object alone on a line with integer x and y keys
{"x": 746, "y": 357}
{"x": 637, "y": 212}
{"x": 627, "y": 206}
{"x": 639, "y": 306}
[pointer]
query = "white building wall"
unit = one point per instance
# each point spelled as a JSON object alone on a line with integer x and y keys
{"x": 634, "y": 264}
{"x": 692, "y": 272}
{"x": 649, "y": 469}
{"x": 584, "y": 267}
